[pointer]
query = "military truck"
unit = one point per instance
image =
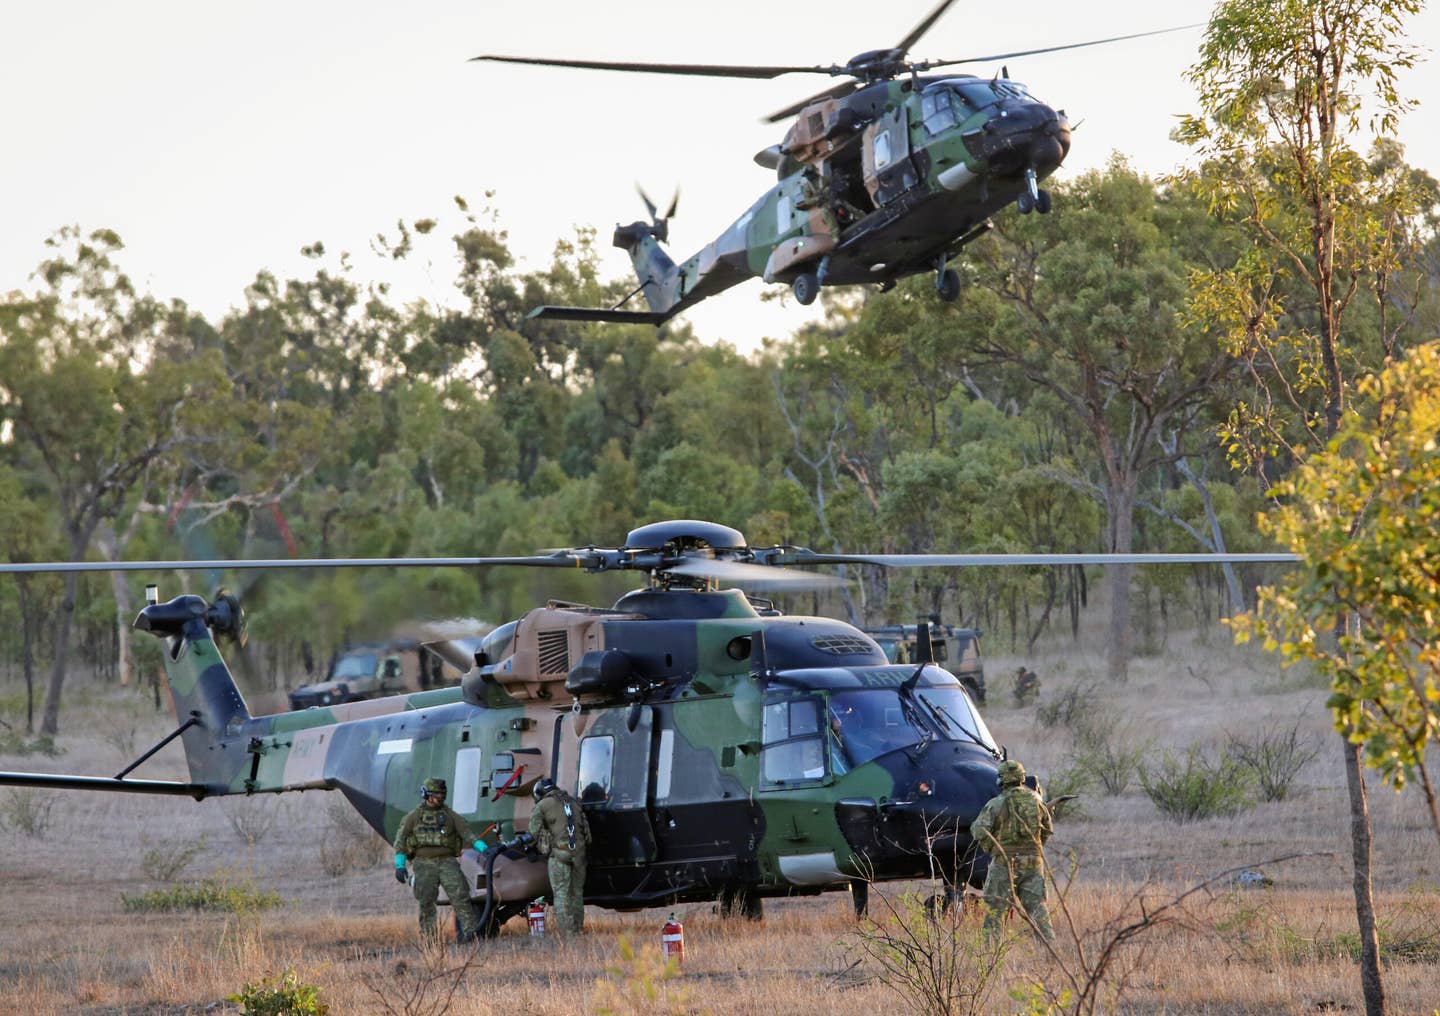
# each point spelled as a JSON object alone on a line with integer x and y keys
{"x": 364, "y": 671}
{"x": 956, "y": 649}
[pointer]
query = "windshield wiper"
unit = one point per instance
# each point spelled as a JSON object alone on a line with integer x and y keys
{"x": 946, "y": 715}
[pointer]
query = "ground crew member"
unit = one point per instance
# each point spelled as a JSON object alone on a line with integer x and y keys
{"x": 431, "y": 838}
{"x": 1012, "y": 828}
{"x": 561, "y": 835}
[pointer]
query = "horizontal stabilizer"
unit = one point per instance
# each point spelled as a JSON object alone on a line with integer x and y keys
{"x": 627, "y": 317}
{"x": 54, "y": 782}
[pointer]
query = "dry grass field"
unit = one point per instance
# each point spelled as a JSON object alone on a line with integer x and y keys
{"x": 70, "y": 944}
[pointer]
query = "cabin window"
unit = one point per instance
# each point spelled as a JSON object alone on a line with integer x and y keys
{"x": 794, "y": 743}
{"x": 782, "y": 214}
{"x": 597, "y": 768}
{"x": 882, "y": 150}
{"x": 465, "y": 787}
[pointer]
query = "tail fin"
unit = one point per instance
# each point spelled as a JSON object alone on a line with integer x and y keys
{"x": 201, "y": 685}
{"x": 660, "y": 281}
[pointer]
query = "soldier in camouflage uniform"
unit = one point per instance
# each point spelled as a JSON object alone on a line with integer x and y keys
{"x": 1012, "y": 828}
{"x": 561, "y": 835}
{"x": 431, "y": 838}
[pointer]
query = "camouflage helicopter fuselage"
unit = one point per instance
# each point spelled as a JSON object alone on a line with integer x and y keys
{"x": 715, "y": 748}
{"x": 888, "y": 181}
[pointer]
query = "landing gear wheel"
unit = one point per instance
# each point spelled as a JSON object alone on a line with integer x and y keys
{"x": 1042, "y": 203}
{"x": 1025, "y": 203}
{"x": 742, "y": 901}
{"x": 947, "y": 287}
{"x": 805, "y": 287}
{"x": 860, "y": 896}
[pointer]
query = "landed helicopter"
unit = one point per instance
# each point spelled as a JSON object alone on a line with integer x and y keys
{"x": 888, "y": 174}
{"x": 721, "y": 750}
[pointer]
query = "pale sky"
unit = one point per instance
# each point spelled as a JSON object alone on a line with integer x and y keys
{"x": 218, "y": 140}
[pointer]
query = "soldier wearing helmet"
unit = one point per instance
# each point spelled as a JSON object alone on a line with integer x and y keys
{"x": 431, "y": 838}
{"x": 1012, "y": 828}
{"x": 561, "y": 835}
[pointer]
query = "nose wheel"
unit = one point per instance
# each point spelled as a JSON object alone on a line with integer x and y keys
{"x": 805, "y": 286}
{"x": 1033, "y": 198}
{"x": 947, "y": 282}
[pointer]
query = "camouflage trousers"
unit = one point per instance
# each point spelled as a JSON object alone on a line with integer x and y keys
{"x": 430, "y": 874}
{"x": 1021, "y": 881}
{"x": 567, "y": 887}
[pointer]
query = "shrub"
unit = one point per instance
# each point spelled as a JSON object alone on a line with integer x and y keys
{"x": 13, "y": 742}
{"x": 27, "y": 810}
{"x": 208, "y": 894}
{"x": 1108, "y": 752}
{"x": 637, "y": 984}
{"x": 1069, "y": 708}
{"x": 936, "y": 963}
{"x": 348, "y": 843}
{"x": 252, "y": 818}
{"x": 1197, "y": 788}
{"x": 287, "y": 996}
{"x": 1275, "y": 757}
{"x": 165, "y": 861}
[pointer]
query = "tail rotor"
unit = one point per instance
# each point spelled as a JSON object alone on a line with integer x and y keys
{"x": 659, "y": 224}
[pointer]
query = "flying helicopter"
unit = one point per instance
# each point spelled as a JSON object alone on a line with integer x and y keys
{"x": 890, "y": 173}
{"x": 721, "y": 749}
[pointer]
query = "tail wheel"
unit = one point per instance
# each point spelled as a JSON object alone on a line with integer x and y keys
{"x": 947, "y": 286}
{"x": 805, "y": 287}
{"x": 1025, "y": 203}
{"x": 1042, "y": 203}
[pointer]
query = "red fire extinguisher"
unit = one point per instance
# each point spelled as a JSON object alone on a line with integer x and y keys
{"x": 536, "y": 914}
{"x": 672, "y": 940}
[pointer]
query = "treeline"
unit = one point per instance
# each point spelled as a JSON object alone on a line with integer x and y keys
{"x": 1071, "y": 400}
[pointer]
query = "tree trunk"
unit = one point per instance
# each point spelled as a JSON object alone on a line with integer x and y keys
{"x": 1117, "y": 578}
{"x": 50, "y": 719}
{"x": 27, "y": 647}
{"x": 1370, "y": 981}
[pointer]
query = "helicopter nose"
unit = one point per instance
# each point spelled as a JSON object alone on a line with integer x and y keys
{"x": 1020, "y": 136}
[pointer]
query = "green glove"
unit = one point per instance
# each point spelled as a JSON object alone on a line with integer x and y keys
{"x": 400, "y": 875}
{"x": 480, "y": 847}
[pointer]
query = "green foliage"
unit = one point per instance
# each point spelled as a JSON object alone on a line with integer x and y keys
{"x": 1108, "y": 751}
{"x": 286, "y": 995}
{"x": 1364, "y": 609}
{"x": 1276, "y": 757}
{"x": 1195, "y": 787}
{"x": 167, "y": 860}
{"x": 27, "y": 810}
{"x": 210, "y": 894}
{"x": 13, "y": 742}
{"x": 639, "y": 982}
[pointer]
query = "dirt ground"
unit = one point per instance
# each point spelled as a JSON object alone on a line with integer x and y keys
{"x": 72, "y": 946}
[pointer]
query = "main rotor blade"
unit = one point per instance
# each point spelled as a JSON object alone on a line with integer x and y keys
{"x": 754, "y": 576}
{"x": 924, "y": 26}
{"x": 839, "y": 91}
{"x": 1000, "y": 560}
{"x": 927, "y": 65}
{"x": 702, "y": 70}
{"x": 47, "y": 567}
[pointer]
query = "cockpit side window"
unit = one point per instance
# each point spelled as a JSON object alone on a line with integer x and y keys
{"x": 793, "y": 748}
{"x": 938, "y": 109}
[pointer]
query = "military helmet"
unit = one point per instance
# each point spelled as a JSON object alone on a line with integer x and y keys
{"x": 1012, "y": 773}
{"x": 434, "y": 785}
{"x": 543, "y": 786}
